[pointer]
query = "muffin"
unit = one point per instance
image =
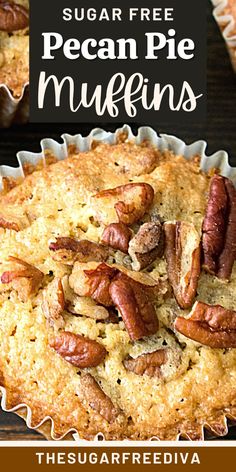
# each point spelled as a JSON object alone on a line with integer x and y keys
{"x": 118, "y": 291}
{"x": 14, "y": 45}
{"x": 225, "y": 15}
{"x": 14, "y": 61}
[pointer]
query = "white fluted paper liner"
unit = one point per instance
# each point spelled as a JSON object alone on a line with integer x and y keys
{"x": 13, "y": 110}
{"x": 163, "y": 142}
{"x": 227, "y": 25}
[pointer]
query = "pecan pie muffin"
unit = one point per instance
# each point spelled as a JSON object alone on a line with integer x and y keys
{"x": 118, "y": 294}
{"x": 14, "y": 45}
{"x": 225, "y": 15}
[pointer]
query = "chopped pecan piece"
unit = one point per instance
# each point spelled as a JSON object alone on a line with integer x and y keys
{"x": 117, "y": 236}
{"x": 83, "y": 306}
{"x": 147, "y": 245}
{"x": 69, "y": 250}
{"x": 147, "y": 364}
{"x": 54, "y": 303}
{"x": 212, "y": 326}
{"x": 13, "y": 17}
{"x": 10, "y": 219}
{"x": 182, "y": 252}
{"x": 6, "y": 224}
{"x": 131, "y": 201}
{"x": 93, "y": 283}
{"x": 135, "y": 307}
{"x": 219, "y": 228}
{"x": 92, "y": 394}
{"x": 78, "y": 350}
{"x": 26, "y": 280}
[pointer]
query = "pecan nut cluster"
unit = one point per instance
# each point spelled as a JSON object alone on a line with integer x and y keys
{"x": 108, "y": 292}
{"x": 147, "y": 244}
{"x": 212, "y": 325}
{"x": 109, "y": 286}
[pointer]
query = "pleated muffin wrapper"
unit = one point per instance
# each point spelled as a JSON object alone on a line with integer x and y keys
{"x": 227, "y": 24}
{"x": 163, "y": 142}
{"x": 13, "y": 110}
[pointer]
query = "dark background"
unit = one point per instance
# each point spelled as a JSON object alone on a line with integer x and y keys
{"x": 219, "y": 131}
{"x": 187, "y": 18}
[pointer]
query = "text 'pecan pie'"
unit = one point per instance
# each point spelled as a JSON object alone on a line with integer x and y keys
{"x": 118, "y": 294}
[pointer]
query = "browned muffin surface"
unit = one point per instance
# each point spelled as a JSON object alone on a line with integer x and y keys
{"x": 138, "y": 377}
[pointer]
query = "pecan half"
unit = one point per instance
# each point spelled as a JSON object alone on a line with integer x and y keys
{"x": 216, "y": 316}
{"x": 91, "y": 393}
{"x": 228, "y": 255}
{"x": 10, "y": 219}
{"x": 147, "y": 245}
{"x": 117, "y": 236}
{"x": 131, "y": 201}
{"x": 54, "y": 303}
{"x": 93, "y": 283}
{"x": 135, "y": 307}
{"x": 212, "y": 326}
{"x": 68, "y": 250}
{"x": 26, "y": 280}
{"x": 214, "y": 224}
{"x": 219, "y": 228}
{"x": 147, "y": 364}
{"x": 78, "y": 350}
{"x": 182, "y": 252}
{"x": 13, "y": 17}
